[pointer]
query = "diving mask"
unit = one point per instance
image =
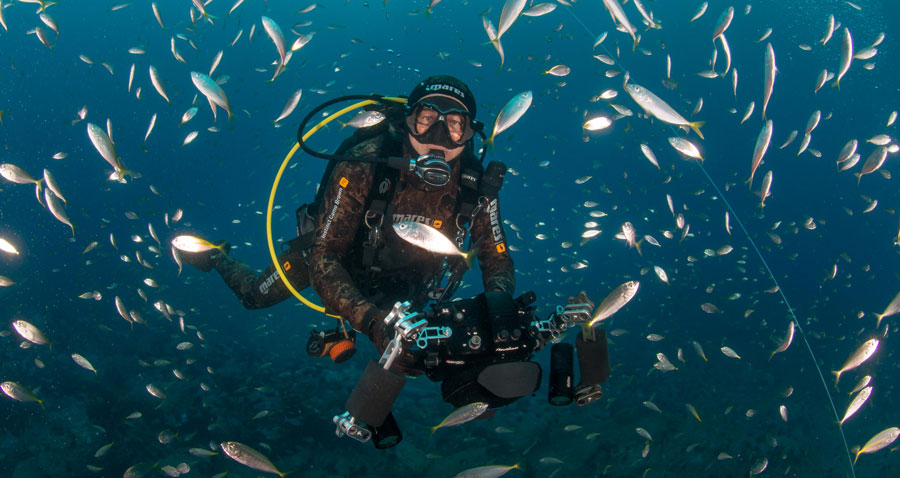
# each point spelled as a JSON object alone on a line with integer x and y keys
{"x": 446, "y": 122}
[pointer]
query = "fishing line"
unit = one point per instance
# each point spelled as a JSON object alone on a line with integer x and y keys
{"x": 758, "y": 254}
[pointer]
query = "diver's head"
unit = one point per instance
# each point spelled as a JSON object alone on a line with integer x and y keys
{"x": 439, "y": 116}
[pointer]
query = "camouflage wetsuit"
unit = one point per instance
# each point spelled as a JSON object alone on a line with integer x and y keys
{"x": 335, "y": 261}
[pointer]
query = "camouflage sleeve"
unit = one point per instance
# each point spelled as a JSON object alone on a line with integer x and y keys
{"x": 341, "y": 215}
{"x": 266, "y": 289}
{"x": 497, "y": 272}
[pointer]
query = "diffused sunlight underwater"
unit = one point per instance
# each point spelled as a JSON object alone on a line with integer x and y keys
{"x": 117, "y": 362}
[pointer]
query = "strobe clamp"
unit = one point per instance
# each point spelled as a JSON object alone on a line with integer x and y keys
{"x": 346, "y": 425}
{"x": 577, "y": 310}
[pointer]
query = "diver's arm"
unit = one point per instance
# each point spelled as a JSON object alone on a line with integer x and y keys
{"x": 266, "y": 289}
{"x": 340, "y": 217}
{"x": 497, "y": 272}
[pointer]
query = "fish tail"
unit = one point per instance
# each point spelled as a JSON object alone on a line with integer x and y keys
{"x": 879, "y": 317}
{"x": 637, "y": 245}
{"x": 837, "y": 376}
{"x": 469, "y": 256}
{"x": 857, "y": 456}
{"x": 696, "y": 125}
{"x": 41, "y": 403}
{"x": 858, "y": 177}
{"x": 772, "y": 354}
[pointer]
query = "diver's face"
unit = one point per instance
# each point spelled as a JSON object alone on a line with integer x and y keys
{"x": 425, "y": 118}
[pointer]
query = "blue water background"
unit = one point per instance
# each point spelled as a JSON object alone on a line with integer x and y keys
{"x": 222, "y": 181}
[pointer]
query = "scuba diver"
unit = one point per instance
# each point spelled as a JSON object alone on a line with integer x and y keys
{"x": 414, "y": 165}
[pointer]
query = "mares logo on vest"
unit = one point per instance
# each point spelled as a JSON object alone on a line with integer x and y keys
{"x": 496, "y": 230}
{"x": 417, "y": 218}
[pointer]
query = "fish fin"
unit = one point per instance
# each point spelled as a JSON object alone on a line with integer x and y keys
{"x": 696, "y": 125}
{"x": 858, "y": 177}
{"x": 637, "y": 245}
{"x": 837, "y": 377}
{"x": 490, "y": 143}
{"x": 879, "y": 317}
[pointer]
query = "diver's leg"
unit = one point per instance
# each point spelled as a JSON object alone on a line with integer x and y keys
{"x": 267, "y": 289}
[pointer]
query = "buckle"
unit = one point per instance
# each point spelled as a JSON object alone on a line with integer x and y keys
{"x": 372, "y": 215}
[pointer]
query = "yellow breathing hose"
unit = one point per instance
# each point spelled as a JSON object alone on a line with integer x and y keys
{"x": 284, "y": 164}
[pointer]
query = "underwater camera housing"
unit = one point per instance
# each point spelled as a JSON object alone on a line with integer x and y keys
{"x": 486, "y": 355}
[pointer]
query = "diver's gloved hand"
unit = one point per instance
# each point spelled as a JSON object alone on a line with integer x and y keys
{"x": 206, "y": 260}
{"x": 382, "y": 334}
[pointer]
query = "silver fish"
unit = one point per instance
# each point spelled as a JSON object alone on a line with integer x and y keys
{"x": 274, "y": 32}
{"x": 213, "y": 92}
{"x": 157, "y": 83}
{"x": 648, "y": 153}
{"x": 700, "y": 11}
{"x": 289, "y": 106}
{"x": 821, "y": 79}
{"x": 813, "y": 121}
{"x": 873, "y": 162}
{"x": 615, "y": 10}
{"x": 83, "y": 363}
{"x": 509, "y": 14}
{"x": 724, "y": 22}
{"x": 30, "y": 333}
{"x": 249, "y": 457}
{"x": 15, "y": 174}
{"x": 150, "y": 127}
{"x": 786, "y": 342}
{"x": 857, "y": 402}
{"x": 769, "y": 82}
{"x": 57, "y": 209}
{"x": 463, "y": 414}
{"x": 17, "y": 392}
{"x": 488, "y": 471}
{"x": 846, "y": 57}
{"x": 430, "y": 239}
{"x": 614, "y": 301}
{"x": 879, "y": 441}
{"x": 365, "y": 119}
{"x": 863, "y": 382}
{"x": 188, "y": 115}
{"x": 686, "y": 148}
{"x": 661, "y": 110}
{"x": 829, "y": 30}
{"x": 790, "y": 139}
{"x": 514, "y": 109}
{"x": 764, "y": 190}
{"x": 107, "y": 149}
{"x": 857, "y": 358}
{"x": 762, "y": 144}
{"x": 892, "y": 308}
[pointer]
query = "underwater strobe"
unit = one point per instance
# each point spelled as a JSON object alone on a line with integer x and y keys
{"x": 368, "y": 415}
{"x": 593, "y": 355}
